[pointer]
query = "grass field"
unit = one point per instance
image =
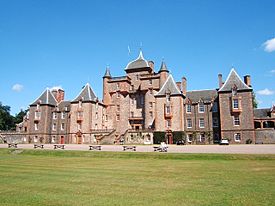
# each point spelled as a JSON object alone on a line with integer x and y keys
{"x": 39, "y": 177}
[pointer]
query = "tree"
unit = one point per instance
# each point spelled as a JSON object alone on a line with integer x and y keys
{"x": 254, "y": 100}
{"x": 6, "y": 120}
{"x": 19, "y": 117}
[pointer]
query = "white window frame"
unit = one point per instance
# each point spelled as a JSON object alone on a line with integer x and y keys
{"x": 117, "y": 117}
{"x": 239, "y": 137}
{"x": 151, "y": 105}
{"x": 168, "y": 123}
{"x": 54, "y": 127}
{"x": 200, "y": 106}
{"x": 236, "y": 119}
{"x": 37, "y": 115}
{"x": 202, "y": 135}
{"x": 63, "y": 115}
{"x": 35, "y": 126}
{"x": 235, "y": 103}
{"x": 188, "y": 108}
{"x": 189, "y": 121}
{"x": 62, "y": 126}
{"x": 54, "y": 115}
{"x": 201, "y": 120}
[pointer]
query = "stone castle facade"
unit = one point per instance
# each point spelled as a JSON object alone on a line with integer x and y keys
{"x": 143, "y": 102}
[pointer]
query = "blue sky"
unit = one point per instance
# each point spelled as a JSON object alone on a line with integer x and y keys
{"x": 46, "y": 43}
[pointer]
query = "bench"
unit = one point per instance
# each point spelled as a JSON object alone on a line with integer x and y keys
{"x": 95, "y": 147}
{"x": 10, "y": 145}
{"x": 59, "y": 146}
{"x": 38, "y": 146}
{"x": 160, "y": 149}
{"x": 132, "y": 148}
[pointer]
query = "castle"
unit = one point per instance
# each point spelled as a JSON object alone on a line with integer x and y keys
{"x": 143, "y": 103}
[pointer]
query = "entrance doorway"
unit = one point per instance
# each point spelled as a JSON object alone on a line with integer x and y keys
{"x": 62, "y": 140}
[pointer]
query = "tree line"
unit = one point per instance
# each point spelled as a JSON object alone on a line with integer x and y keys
{"x": 8, "y": 121}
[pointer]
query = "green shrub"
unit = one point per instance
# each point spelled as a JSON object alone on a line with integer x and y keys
{"x": 159, "y": 137}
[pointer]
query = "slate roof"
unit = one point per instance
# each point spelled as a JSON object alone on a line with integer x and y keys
{"x": 46, "y": 98}
{"x": 140, "y": 62}
{"x": 64, "y": 104}
{"x": 232, "y": 80}
{"x": 163, "y": 67}
{"x": 262, "y": 113}
{"x": 201, "y": 95}
{"x": 169, "y": 86}
{"x": 86, "y": 94}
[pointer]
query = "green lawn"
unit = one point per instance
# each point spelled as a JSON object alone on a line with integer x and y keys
{"x": 36, "y": 177}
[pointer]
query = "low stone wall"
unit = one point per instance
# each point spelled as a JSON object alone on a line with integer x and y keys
{"x": 141, "y": 137}
{"x": 265, "y": 136}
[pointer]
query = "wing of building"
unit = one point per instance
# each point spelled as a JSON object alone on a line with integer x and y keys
{"x": 146, "y": 106}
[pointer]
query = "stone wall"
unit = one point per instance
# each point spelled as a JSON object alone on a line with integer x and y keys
{"x": 265, "y": 136}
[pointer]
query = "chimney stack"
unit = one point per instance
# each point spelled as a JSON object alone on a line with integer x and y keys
{"x": 247, "y": 80}
{"x": 184, "y": 85}
{"x": 220, "y": 80}
{"x": 58, "y": 94}
{"x": 179, "y": 85}
{"x": 151, "y": 64}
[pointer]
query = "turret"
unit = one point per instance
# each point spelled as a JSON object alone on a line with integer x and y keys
{"x": 106, "y": 95}
{"x": 164, "y": 72}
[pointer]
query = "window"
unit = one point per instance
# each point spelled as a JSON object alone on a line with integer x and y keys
{"x": 215, "y": 107}
{"x": 201, "y": 107}
{"x": 80, "y": 104}
{"x": 63, "y": 115}
{"x": 141, "y": 100}
{"x": 201, "y": 123}
{"x": 54, "y": 115}
{"x": 132, "y": 114}
{"x": 53, "y": 139}
{"x": 37, "y": 115}
{"x": 95, "y": 126}
{"x": 79, "y": 126}
{"x": 151, "y": 105}
{"x": 117, "y": 117}
{"x": 118, "y": 95}
{"x": 35, "y": 139}
{"x": 54, "y": 126}
{"x": 202, "y": 137}
{"x": 168, "y": 97}
{"x": 133, "y": 101}
{"x": 37, "y": 106}
{"x": 117, "y": 86}
{"x": 96, "y": 106}
{"x": 79, "y": 114}
{"x": 118, "y": 108}
{"x": 188, "y": 108}
{"x": 215, "y": 122}
{"x": 151, "y": 114}
{"x": 189, "y": 123}
{"x": 236, "y": 120}
{"x": 167, "y": 109}
{"x": 150, "y": 81}
{"x": 237, "y": 137}
{"x": 235, "y": 104}
{"x": 168, "y": 123}
{"x": 106, "y": 118}
{"x": 62, "y": 126}
{"x": 132, "y": 87}
{"x": 96, "y": 115}
{"x": 36, "y": 126}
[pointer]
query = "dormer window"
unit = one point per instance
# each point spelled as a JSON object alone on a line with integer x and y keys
{"x": 168, "y": 96}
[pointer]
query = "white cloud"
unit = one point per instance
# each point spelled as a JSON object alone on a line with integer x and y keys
{"x": 56, "y": 88}
{"x": 269, "y": 45}
{"x": 17, "y": 87}
{"x": 265, "y": 92}
{"x": 272, "y": 71}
